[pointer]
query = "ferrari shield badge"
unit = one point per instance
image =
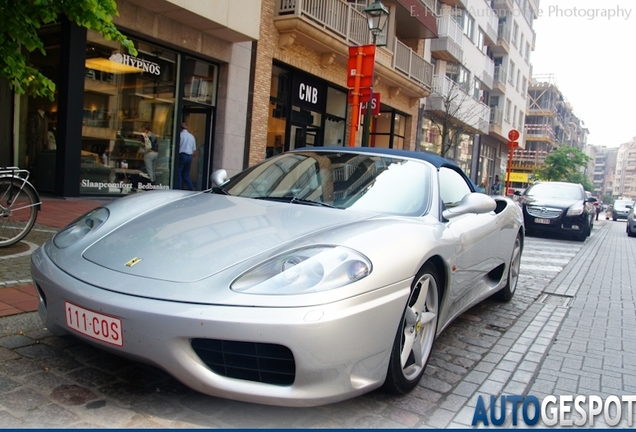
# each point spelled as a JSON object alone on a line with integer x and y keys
{"x": 132, "y": 262}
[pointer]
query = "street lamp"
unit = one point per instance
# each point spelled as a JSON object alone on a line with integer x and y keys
{"x": 377, "y": 17}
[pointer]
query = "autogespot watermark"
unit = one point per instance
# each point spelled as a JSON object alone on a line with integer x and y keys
{"x": 560, "y": 411}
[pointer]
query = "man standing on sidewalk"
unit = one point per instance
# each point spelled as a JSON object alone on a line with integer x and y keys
{"x": 187, "y": 147}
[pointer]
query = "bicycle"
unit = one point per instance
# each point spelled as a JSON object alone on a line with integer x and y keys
{"x": 19, "y": 205}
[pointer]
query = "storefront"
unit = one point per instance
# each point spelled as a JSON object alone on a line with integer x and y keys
{"x": 121, "y": 97}
{"x": 306, "y": 111}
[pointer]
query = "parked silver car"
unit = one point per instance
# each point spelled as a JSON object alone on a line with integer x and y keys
{"x": 315, "y": 276}
{"x": 621, "y": 209}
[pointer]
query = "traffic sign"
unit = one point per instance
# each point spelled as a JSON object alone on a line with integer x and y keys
{"x": 513, "y": 135}
{"x": 513, "y": 144}
{"x": 364, "y": 95}
{"x": 366, "y": 69}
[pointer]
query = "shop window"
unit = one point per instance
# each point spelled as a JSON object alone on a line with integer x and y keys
{"x": 335, "y": 119}
{"x": 201, "y": 79}
{"x": 123, "y": 95}
{"x": 278, "y": 111}
{"x": 388, "y": 130}
{"x": 37, "y": 142}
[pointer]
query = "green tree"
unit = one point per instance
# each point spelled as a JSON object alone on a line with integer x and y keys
{"x": 21, "y": 20}
{"x": 564, "y": 164}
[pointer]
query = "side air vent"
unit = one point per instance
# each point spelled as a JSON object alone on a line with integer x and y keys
{"x": 261, "y": 362}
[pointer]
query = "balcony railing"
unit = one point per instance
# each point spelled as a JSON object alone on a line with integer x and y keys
{"x": 346, "y": 22}
{"x": 503, "y": 33}
{"x": 500, "y": 74}
{"x": 335, "y": 15}
{"x": 433, "y": 6}
{"x": 496, "y": 116}
{"x": 447, "y": 27}
{"x": 539, "y": 131}
{"x": 413, "y": 65}
{"x": 489, "y": 71}
{"x": 528, "y": 158}
{"x": 492, "y": 22}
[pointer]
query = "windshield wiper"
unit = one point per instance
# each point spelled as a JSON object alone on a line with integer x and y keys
{"x": 296, "y": 200}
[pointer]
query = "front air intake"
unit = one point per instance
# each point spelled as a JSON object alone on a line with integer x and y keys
{"x": 260, "y": 362}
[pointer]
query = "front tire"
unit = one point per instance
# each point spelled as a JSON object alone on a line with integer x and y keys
{"x": 416, "y": 334}
{"x": 508, "y": 291}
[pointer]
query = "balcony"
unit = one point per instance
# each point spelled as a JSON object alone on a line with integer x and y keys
{"x": 496, "y": 122}
{"x": 503, "y": 7}
{"x": 449, "y": 44}
{"x": 492, "y": 23}
{"x": 330, "y": 27}
{"x": 455, "y": 3}
{"x": 538, "y": 132}
{"x": 499, "y": 79}
{"x": 487, "y": 76}
{"x": 503, "y": 40}
{"x": 528, "y": 159}
{"x": 450, "y": 99}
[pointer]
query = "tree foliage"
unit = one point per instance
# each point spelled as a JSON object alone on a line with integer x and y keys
{"x": 564, "y": 164}
{"x": 21, "y": 20}
{"x": 455, "y": 112}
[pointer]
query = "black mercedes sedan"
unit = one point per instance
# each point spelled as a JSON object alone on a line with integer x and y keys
{"x": 557, "y": 207}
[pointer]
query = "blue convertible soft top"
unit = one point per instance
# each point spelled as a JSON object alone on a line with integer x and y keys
{"x": 429, "y": 157}
{"x": 432, "y": 158}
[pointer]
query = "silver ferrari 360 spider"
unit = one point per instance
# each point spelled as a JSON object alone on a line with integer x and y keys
{"x": 315, "y": 276}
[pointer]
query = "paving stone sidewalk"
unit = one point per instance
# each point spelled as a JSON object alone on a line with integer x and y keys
{"x": 576, "y": 340}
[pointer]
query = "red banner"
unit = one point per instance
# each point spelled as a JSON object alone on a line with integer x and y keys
{"x": 375, "y": 105}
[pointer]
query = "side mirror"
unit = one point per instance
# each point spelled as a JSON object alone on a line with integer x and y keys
{"x": 518, "y": 193}
{"x": 471, "y": 203}
{"x": 219, "y": 177}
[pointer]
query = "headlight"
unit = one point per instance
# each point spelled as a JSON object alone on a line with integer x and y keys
{"x": 306, "y": 270}
{"x": 84, "y": 225}
{"x": 575, "y": 210}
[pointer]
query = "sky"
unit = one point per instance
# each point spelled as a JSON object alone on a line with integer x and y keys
{"x": 588, "y": 46}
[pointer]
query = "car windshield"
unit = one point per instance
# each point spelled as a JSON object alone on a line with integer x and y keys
{"x": 555, "y": 190}
{"x": 622, "y": 204}
{"x": 343, "y": 180}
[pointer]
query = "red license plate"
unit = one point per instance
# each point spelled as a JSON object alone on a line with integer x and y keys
{"x": 95, "y": 325}
{"x": 542, "y": 221}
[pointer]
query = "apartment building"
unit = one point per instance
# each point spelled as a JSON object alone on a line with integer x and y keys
{"x": 625, "y": 177}
{"x": 300, "y": 92}
{"x": 604, "y": 170}
{"x": 481, "y": 64}
{"x": 192, "y": 65}
{"x": 550, "y": 122}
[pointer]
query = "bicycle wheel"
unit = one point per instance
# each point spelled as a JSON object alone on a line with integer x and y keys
{"x": 18, "y": 210}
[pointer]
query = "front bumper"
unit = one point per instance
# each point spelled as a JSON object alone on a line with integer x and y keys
{"x": 562, "y": 223}
{"x": 620, "y": 215}
{"x": 340, "y": 350}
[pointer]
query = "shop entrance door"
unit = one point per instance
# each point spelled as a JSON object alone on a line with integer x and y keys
{"x": 199, "y": 121}
{"x": 305, "y": 136}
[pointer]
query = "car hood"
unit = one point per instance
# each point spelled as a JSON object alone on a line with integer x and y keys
{"x": 191, "y": 239}
{"x": 551, "y": 202}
